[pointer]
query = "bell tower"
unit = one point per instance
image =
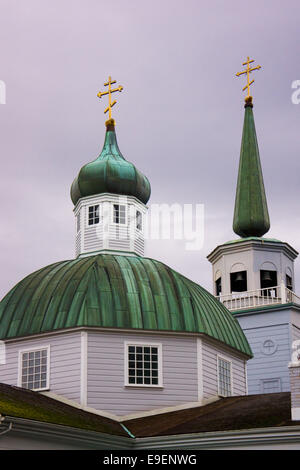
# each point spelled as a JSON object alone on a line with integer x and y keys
{"x": 253, "y": 276}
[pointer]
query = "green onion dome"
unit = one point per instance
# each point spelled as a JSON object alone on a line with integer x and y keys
{"x": 114, "y": 291}
{"x": 110, "y": 173}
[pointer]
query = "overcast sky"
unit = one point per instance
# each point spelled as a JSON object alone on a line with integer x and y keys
{"x": 179, "y": 118}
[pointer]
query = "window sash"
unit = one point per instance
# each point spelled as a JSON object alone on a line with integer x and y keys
{"x": 94, "y": 215}
{"x": 78, "y": 223}
{"x": 34, "y": 369}
{"x": 143, "y": 365}
{"x": 224, "y": 377}
{"x": 139, "y": 220}
{"x": 119, "y": 214}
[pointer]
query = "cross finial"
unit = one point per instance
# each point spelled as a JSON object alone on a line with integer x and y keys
{"x": 109, "y": 92}
{"x": 248, "y": 70}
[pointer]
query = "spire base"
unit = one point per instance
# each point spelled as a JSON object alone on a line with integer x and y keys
{"x": 110, "y": 124}
{"x": 248, "y": 102}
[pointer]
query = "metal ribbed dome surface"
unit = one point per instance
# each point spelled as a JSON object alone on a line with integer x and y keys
{"x": 117, "y": 292}
{"x": 110, "y": 173}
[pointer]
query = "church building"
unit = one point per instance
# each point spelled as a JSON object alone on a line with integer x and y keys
{"x": 113, "y": 349}
{"x": 111, "y": 329}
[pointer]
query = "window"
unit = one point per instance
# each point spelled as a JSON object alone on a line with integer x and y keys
{"x": 268, "y": 347}
{"x": 238, "y": 281}
{"x": 119, "y": 214}
{"x": 93, "y": 215}
{"x": 289, "y": 283}
{"x": 271, "y": 386}
{"x": 34, "y": 369}
{"x": 224, "y": 377}
{"x": 218, "y": 284}
{"x": 143, "y": 364}
{"x": 268, "y": 280}
{"x": 139, "y": 220}
{"x": 78, "y": 222}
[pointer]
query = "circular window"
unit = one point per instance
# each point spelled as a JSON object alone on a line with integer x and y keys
{"x": 269, "y": 347}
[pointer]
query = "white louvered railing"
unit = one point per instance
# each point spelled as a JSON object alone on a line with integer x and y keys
{"x": 259, "y": 298}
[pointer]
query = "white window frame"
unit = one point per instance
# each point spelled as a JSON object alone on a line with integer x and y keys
{"x": 160, "y": 362}
{"x": 88, "y": 212}
{"x": 137, "y": 211}
{"x": 118, "y": 224}
{"x": 272, "y": 379}
{"x": 227, "y": 359}
{"x": 29, "y": 350}
{"x": 78, "y": 222}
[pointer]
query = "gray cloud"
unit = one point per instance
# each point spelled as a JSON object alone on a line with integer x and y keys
{"x": 179, "y": 118}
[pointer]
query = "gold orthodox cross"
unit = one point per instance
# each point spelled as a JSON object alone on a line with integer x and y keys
{"x": 248, "y": 70}
{"x": 109, "y": 92}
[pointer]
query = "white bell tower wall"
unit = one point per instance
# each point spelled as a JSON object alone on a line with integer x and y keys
{"x": 252, "y": 256}
{"x": 109, "y": 223}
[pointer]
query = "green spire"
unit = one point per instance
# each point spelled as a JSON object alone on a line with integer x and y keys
{"x": 251, "y": 217}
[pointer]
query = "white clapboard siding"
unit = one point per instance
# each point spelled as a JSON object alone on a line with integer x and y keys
{"x": 106, "y": 235}
{"x": 268, "y": 366}
{"x": 210, "y": 354}
{"x": 106, "y": 389}
{"x": 65, "y": 355}
{"x": 295, "y": 333}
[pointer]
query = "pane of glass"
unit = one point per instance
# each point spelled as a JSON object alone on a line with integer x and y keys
{"x": 131, "y": 364}
{"x": 131, "y": 349}
{"x": 131, "y": 380}
{"x": 147, "y": 381}
{"x": 147, "y": 350}
{"x": 155, "y": 381}
{"x": 139, "y": 380}
{"x": 139, "y": 349}
{"x": 131, "y": 371}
